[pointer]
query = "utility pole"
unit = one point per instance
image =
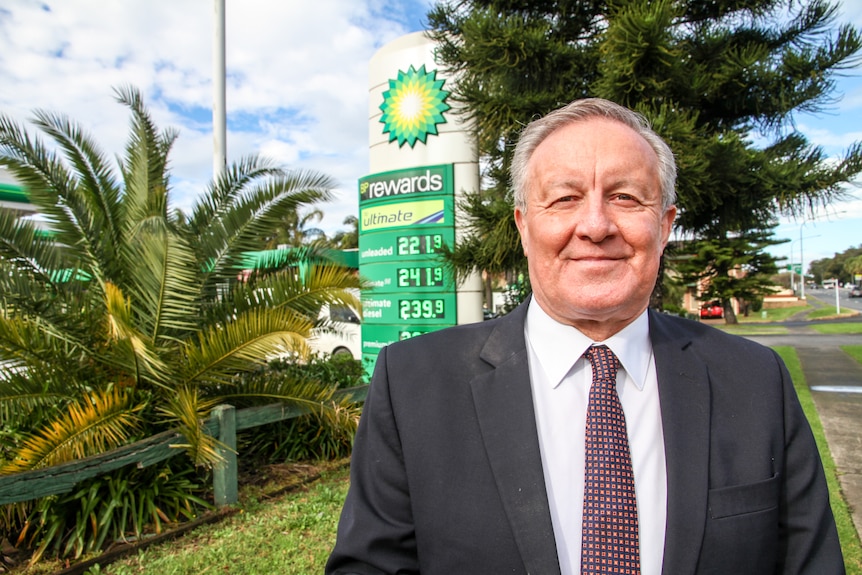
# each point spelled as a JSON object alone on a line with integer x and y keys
{"x": 219, "y": 105}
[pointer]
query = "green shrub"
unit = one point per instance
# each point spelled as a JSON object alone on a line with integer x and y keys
{"x": 310, "y": 437}
{"x": 113, "y": 507}
{"x": 336, "y": 371}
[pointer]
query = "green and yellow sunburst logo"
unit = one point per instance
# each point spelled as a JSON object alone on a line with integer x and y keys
{"x": 413, "y": 106}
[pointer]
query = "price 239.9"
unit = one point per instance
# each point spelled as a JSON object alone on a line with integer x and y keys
{"x": 421, "y": 309}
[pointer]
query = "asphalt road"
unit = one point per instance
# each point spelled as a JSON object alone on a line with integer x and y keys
{"x": 827, "y": 297}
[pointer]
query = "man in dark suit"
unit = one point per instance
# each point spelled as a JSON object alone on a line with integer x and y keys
{"x": 472, "y": 458}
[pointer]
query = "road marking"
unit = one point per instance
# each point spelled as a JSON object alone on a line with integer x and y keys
{"x": 838, "y": 388}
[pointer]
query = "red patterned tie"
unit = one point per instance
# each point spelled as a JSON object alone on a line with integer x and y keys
{"x": 610, "y": 528}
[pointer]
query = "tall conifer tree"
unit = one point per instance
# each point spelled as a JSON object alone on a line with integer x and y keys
{"x": 721, "y": 81}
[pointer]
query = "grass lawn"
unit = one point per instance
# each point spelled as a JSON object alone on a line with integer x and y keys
{"x": 839, "y": 328}
{"x": 831, "y": 312}
{"x": 846, "y": 530}
{"x": 775, "y": 314}
{"x": 289, "y": 535}
{"x": 744, "y": 329}
{"x": 854, "y": 351}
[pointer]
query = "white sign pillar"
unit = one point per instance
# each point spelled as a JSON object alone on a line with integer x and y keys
{"x": 423, "y": 160}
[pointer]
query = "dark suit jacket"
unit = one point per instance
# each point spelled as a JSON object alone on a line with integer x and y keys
{"x": 446, "y": 475}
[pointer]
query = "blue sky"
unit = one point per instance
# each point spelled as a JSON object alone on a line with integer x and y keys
{"x": 296, "y": 87}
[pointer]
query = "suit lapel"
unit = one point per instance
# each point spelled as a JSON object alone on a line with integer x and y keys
{"x": 504, "y": 407}
{"x": 683, "y": 385}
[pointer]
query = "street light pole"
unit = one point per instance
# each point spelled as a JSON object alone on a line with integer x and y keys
{"x": 792, "y": 283}
{"x": 219, "y": 101}
{"x": 837, "y": 298}
{"x": 801, "y": 263}
{"x": 801, "y": 256}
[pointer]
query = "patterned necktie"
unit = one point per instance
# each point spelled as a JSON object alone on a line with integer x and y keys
{"x": 610, "y": 527}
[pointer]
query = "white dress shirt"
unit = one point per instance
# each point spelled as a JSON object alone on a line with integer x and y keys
{"x": 561, "y": 377}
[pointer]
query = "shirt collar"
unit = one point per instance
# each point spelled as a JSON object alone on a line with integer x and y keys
{"x": 558, "y": 346}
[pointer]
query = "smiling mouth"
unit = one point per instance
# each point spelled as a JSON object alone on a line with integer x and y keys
{"x": 596, "y": 259}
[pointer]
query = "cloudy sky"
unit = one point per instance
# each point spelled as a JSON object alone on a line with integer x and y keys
{"x": 296, "y": 86}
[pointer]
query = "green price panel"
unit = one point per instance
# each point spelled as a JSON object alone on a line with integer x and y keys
{"x": 376, "y": 337}
{"x": 406, "y": 221}
{"x": 401, "y": 245}
{"x": 410, "y": 308}
{"x": 408, "y": 276}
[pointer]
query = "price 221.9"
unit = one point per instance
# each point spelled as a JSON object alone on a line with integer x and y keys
{"x": 421, "y": 309}
{"x": 420, "y": 244}
{"x": 420, "y": 277}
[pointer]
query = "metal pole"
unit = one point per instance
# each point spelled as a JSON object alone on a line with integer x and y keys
{"x": 837, "y": 299}
{"x": 792, "y": 283}
{"x": 219, "y": 105}
{"x": 802, "y": 260}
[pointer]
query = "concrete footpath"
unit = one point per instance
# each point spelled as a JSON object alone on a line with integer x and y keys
{"x": 835, "y": 380}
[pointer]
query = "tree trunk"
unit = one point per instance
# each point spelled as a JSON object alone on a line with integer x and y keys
{"x": 729, "y": 315}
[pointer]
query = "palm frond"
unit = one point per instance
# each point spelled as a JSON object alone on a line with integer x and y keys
{"x": 102, "y": 421}
{"x": 145, "y": 164}
{"x": 163, "y": 282}
{"x": 255, "y": 212}
{"x": 245, "y": 342}
{"x": 75, "y": 224}
{"x": 185, "y": 408}
{"x": 304, "y": 392}
{"x": 21, "y": 393}
{"x": 28, "y": 251}
{"x": 34, "y": 344}
{"x": 132, "y": 350}
{"x": 223, "y": 192}
{"x": 37, "y": 169}
{"x": 96, "y": 184}
{"x": 319, "y": 284}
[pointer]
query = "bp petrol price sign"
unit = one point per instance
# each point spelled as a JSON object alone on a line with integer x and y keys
{"x": 406, "y": 219}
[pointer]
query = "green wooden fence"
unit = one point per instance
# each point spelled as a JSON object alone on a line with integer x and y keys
{"x": 223, "y": 424}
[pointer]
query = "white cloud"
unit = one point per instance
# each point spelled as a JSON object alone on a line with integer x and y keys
{"x": 296, "y": 77}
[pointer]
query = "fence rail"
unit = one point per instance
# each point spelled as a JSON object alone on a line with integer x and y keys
{"x": 223, "y": 424}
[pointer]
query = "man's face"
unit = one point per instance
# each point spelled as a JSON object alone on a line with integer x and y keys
{"x": 594, "y": 229}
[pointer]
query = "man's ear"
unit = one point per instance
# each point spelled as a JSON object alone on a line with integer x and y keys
{"x": 522, "y": 229}
{"x": 667, "y": 224}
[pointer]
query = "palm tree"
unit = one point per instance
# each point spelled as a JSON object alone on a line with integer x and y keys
{"x": 295, "y": 230}
{"x": 128, "y": 316}
{"x": 347, "y": 239}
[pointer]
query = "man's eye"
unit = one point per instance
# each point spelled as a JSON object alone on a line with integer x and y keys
{"x": 626, "y": 198}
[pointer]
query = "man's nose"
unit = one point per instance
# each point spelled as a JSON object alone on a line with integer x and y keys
{"x": 595, "y": 219}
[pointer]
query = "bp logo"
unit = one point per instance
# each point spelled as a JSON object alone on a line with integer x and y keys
{"x": 413, "y": 106}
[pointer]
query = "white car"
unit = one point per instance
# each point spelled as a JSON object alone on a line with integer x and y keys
{"x": 341, "y": 334}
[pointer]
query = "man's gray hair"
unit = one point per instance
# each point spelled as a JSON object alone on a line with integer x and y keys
{"x": 580, "y": 110}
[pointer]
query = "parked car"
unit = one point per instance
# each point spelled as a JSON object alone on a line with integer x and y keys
{"x": 711, "y": 310}
{"x": 339, "y": 333}
{"x": 342, "y": 335}
{"x": 855, "y": 291}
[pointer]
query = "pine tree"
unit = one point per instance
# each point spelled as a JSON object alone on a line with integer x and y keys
{"x": 720, "y": 81}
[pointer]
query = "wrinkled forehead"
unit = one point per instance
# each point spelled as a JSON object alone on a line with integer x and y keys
{"x": 593, "y": 150}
